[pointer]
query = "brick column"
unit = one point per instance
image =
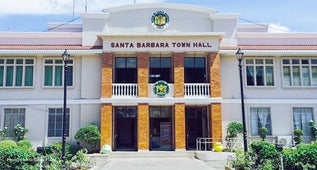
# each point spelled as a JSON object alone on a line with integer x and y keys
{"x": 180, "y": 137}
{"x": 214, "y": 74}
{"x": 215, "y": 91}
{"x": 143, "y": 126}
{"x": 216, "y": 122}
{"x": 143, "y": 74}
{"x": 106, "y": 75}
{"x": 106, "y": 124}
{"x": 178, "y": 75}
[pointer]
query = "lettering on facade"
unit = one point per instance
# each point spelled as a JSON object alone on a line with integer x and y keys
{"x": 122, "y": 45}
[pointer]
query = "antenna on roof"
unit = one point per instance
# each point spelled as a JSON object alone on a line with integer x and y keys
{"x": 86, "y": 6}
{"x": 73, "y": 9}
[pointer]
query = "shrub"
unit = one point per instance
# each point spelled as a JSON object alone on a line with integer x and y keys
{"x": 263, "y": 133}
{"x": 18, "y": 158}
{"x": 4, "y": 133}
{"x": 304, "y": 156}
{"x": 8, "y": 144}
{"x": 233, "y": 129}
{"x": 88, "y": 137}
{"x": 19, "y": 132}
{"x": 298, "y": 136}
{"x": 26, "y": 144}
{"x": 262, "y": 152}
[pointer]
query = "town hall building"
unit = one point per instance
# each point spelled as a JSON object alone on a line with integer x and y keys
{"x": 156, "y": 77}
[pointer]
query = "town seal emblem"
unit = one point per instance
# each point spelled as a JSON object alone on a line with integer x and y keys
{"x": 160, "y": 19}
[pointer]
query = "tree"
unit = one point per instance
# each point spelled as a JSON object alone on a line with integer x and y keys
{"x": 233, "y": 129}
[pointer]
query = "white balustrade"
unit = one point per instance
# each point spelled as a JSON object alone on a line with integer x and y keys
{"x": 197, "y": 89}
{"x": 124, "y": 90}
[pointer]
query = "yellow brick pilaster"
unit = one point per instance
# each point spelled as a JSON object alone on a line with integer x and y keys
{"x": 143, "y": 126}
{"x": 180, "y": 137}
{"x": 106, "y": 75}
{"x": 143, "y": 74}
{"x": 214, "y": 74}
{"x": 178, "y": 75}
{"x": 213, "y": 61}
{"x": 106, "y": 124}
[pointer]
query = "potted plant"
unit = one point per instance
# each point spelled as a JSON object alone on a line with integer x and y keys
{"x": 263, "y": 133}
{"x": 298, "y": 136}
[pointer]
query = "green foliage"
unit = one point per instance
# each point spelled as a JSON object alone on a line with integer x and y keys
{"x": 4, "y": 133}
{"x": 241, "y": 161}
{"x": 88, "y": 137}
{"x": 233, "y": 129}
{"x": 304, "y": 156}
{"x": 81, "y": 161}
{"x": 263, "y": 151}
{"x": 18, "y": 158}
{"x": 26, "y": 144}
{"x": 19, "y": 132}
{"x": 298, "y": 136}
{"x": 8, "y": 144}
{"x": 313, "y": 127}
{"x": 263, "y": 133}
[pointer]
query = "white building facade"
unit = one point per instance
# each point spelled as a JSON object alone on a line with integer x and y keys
{"x": 156, "y": 77}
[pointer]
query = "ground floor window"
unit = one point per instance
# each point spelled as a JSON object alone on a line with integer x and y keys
{"x": 12, "y": 117}
{"x": 161, "y": 128}
{"x": 55, "y": 122}
{"x": 260, "y": 117}
{"x": 301, "y": 118}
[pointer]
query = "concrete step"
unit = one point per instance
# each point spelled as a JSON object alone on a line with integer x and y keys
{"x": 153, "y": 154}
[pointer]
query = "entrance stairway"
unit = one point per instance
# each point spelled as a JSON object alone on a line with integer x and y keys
{"x": 153, "y": 154}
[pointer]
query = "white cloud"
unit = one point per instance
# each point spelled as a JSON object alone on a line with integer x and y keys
{"x": 60, "y": 6}
{"x": 277, "y": 28}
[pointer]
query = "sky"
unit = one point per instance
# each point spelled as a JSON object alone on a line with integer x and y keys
{"x": 282, "y": 15}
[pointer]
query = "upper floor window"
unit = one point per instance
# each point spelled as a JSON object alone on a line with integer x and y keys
{"x": 195, "y": 69}
{"x": 16, "y": 72}
{"x": 259, "y": 72}
{"x": 126, "y": 70}
{"x": 12, "y": 117}
{"x": 55, "y": 122}
{"x": 160, "y": 69}
{"x": 300, "y": 72}
{"x": 260, "y": 117}
{"x": 54, "y": 72}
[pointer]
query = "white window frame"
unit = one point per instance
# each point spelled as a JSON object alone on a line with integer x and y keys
{"x": 4, "y": 119}
{"x": 15, "y": 65}
{"x": 300, "y": 65}
{"x": 55, "y": 114}
{"x": 53, "y": 72}
{"x": 257, "y": 115}
{"x": 264, "y": 65}
{"x": 312, "y": 116}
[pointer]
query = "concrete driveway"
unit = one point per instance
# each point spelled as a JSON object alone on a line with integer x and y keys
{"x": 153, "y": 164}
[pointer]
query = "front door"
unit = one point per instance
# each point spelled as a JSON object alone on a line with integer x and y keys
{"x": 125, "y": 129}
{"x": 196, "y": 125}
{"x": 161, "y": 128}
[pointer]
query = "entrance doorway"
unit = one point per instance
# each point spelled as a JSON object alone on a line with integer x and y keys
{"x": 196, "y": 125}
{"x": 125, "y": 128}
{"x": 161, "y": 128}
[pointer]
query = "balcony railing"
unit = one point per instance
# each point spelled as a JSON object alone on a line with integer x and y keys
{"x": 197, "y": 89}
{"x": 124, "y": 90}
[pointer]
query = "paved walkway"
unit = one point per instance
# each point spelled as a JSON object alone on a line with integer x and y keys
{"x": 158, "y": 163}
